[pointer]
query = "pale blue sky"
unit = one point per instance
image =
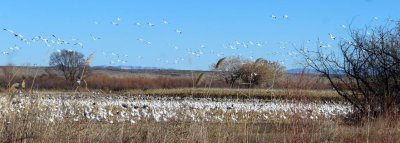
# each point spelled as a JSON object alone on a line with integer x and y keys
{"x": 210, "y": 29}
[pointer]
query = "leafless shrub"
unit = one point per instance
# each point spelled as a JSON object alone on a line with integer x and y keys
{"x": 262, "y": 72}
{"x": 229, "y": 69}
{"x": 366, "y": 72}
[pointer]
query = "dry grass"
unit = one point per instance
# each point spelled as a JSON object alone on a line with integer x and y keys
{"x": 103, "y": 82}
{"x": 40, "y": 80}
{"x": 241, "y": 93}
{"x": 25, "y": 127}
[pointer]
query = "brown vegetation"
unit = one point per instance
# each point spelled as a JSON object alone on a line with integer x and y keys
{"x": 238, "y": 71}
{"x": 51, "y": 81}
{"x": 286, "y": 94}
{"x": 26, "y": 126}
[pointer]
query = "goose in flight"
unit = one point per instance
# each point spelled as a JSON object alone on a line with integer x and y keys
{"x": 59, "y": 41}
{"x": 19, "y": 36}
{"x": 94, "y": 38}
{"x": 165, "y": 21}
{"x": 151, "y": 24}
{"x": 259, "y": 44}
{"x": 80, "y": 44}
{"x": 251, "y": 43}
{"x": 116, "y": 23}
{"x": 333, "y": 37}
{"x": 8, "y": 30}
{"x": 15, "y": 48}
{"x": 45, "y": 41}
{"x": 140, "y": 39}
{"x": 273, "y": 17}
{"x": 178, "y": 31}
{"x": 286, "y": 16}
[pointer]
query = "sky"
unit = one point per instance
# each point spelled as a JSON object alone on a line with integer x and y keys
{"x": 188, "y": 34}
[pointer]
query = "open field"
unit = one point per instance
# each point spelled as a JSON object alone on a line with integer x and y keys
{"x": 87, "y": 117}
{"x": 309, "y": 95}
{"x": 112, "y": 72}
{"x": 40, "y": 78}
{"x": 130, "y": 109}
{"x": 199, "y": 71}
{"x": 157, "y": 106}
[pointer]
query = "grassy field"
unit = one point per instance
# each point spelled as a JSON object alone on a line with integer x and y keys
{"x": 26, "y": 125}
{"x": 241, "y": 93}
{"x": 301, "y": 109}
{"x": 29, "y": 123}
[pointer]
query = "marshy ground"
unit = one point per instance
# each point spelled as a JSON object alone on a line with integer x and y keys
{"x": 129, "y": 117}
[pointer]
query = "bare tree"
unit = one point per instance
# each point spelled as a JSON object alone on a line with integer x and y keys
{"x": 70, "y": 63}
{"x": 366, "y": 71}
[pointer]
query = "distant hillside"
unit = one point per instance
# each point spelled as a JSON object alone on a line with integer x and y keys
{"x": 130, "y": 67}
{"x": 309, "y": 71}
{"x": 301, "y": 70}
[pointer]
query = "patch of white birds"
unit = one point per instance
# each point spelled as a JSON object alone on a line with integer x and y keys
{"x": 112, "y": 109}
